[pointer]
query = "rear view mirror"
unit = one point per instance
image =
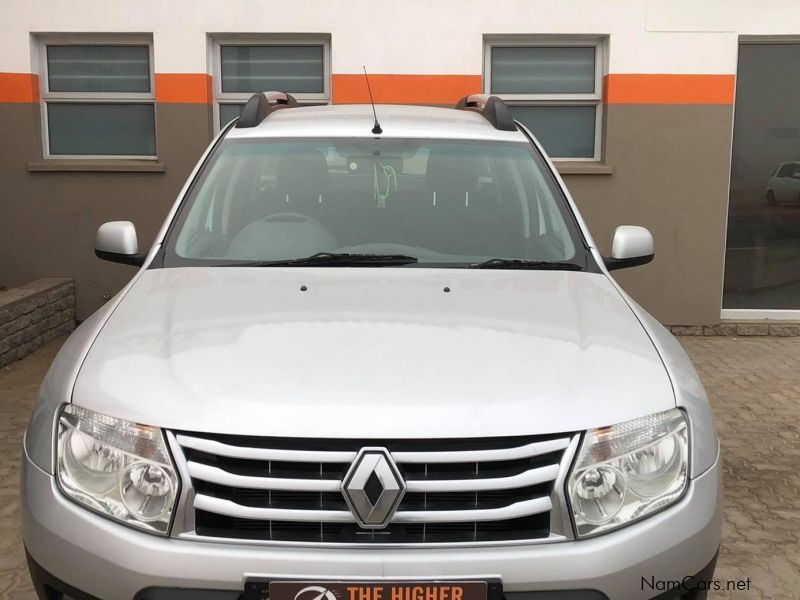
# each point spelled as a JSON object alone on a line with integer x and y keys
{"x": 116, "y": 241}
{"x": 632, "y": 246}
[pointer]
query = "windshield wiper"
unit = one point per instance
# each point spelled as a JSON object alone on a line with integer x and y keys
{"x": 534, "y": 265}
{"x": 333, "y": 259}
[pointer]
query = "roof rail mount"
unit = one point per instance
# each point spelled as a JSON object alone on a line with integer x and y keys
{"x": 260, "y": 105}
{"x": 492, "y": 108}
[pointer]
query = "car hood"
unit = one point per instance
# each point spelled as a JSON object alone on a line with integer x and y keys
{"x": 373, "y": 353}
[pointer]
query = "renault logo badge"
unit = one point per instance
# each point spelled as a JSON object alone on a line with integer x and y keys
{"x": 373, "y": 488}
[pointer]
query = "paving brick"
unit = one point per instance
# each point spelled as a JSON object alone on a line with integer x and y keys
{"x": 784, "y": 330}
{"x": 720, "y": 329}
{"x": 687, "y": 329}
{"x": 29, "y": 306}
{"x": 752, "y": 329}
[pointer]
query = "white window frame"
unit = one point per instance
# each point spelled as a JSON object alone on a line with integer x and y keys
{"x": 218, "y": 40}
{"x": 80, "y": 39}
{"x": 595, "y": 99}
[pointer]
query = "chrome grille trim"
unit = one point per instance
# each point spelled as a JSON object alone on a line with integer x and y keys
{"x": 535, "y": 506}
{"x": 326, "y": 456}
{"x": 467, "y": 456}
{"x": 214, "y": 447}
{"x": 512, "y": 511}
{"x": 231, "y": 509}
{"x": 222, "y": 477}
{"x": 532, "y": 477}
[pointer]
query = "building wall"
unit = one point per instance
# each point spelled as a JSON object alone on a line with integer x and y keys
{"x": 668, "y": 107}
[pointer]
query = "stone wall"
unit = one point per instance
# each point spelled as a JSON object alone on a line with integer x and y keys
{"x": 33, "y": 314}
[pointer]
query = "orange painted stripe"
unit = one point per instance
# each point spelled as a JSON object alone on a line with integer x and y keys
{"x": 404, "y": 89}
{"x": 19, "y": 87}
{"x": 185, "y": 88}
{"x": 196, "y": 88}
{"x": 669, "y": 89}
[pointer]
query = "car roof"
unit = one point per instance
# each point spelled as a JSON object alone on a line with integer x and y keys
{"x": 356, "y": 120}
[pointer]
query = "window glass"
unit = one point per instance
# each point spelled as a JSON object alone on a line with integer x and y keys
{"x": 564, "y": 131}
{"x": 762, "y": 260}
{"x": 297, "y": 69}
{"x": 98, "y": 68}
{"x": 553, "y": 90}
{"x": 83, "y": 128}
{"x": 442, "y": 202}
{"x": 229, "y": 112}
{"x": 543, "y": 70}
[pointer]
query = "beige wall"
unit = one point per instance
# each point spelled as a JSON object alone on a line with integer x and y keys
{"x": 671, "y": 171}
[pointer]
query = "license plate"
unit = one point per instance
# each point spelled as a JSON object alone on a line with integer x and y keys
{"x": 383, "y": 590}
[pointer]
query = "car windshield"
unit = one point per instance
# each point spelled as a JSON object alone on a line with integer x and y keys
{"x": 408, "y": 202}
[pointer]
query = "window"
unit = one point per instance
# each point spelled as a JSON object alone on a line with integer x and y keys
{"x": 98, "y": 98}
{"x": 244, "y": 66}
{"x": 554, "y": 87}
{"x": 788, "y": 170}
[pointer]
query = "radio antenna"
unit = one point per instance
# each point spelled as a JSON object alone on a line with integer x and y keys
{"x": 377, "y": 127}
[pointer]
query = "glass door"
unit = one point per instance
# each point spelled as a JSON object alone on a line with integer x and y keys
{"x": 762, "y": 258}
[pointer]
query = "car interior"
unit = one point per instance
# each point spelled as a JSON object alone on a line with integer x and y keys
{"x": 273, "y": 201}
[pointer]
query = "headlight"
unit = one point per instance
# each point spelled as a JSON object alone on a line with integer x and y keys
{"x": 628, "y": 471}
{"x": 117, "y": 468}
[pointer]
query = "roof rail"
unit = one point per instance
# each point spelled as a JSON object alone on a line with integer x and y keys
{"x": 260, "y": 105}
{"x": 492, "y": 108}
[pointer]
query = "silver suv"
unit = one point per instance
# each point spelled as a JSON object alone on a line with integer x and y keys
{"x": 372, "y": 359}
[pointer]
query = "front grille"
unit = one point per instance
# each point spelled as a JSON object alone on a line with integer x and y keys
{"x": 276, "y": 489}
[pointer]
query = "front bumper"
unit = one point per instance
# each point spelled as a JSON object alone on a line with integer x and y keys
{"x": 106, "y": 560}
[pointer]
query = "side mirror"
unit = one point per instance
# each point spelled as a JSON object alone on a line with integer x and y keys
{"x": 632, "y": 246}
{"x": 116, "y": 241}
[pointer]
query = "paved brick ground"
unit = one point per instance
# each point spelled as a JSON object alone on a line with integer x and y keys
{"x": 754, "y": 385}
{"x": 19, "y": 383}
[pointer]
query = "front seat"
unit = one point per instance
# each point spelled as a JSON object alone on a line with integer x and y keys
{"x": 466, "y": 219}
{"x": 289, "y": 227}
{"x": 302, "y": 181}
